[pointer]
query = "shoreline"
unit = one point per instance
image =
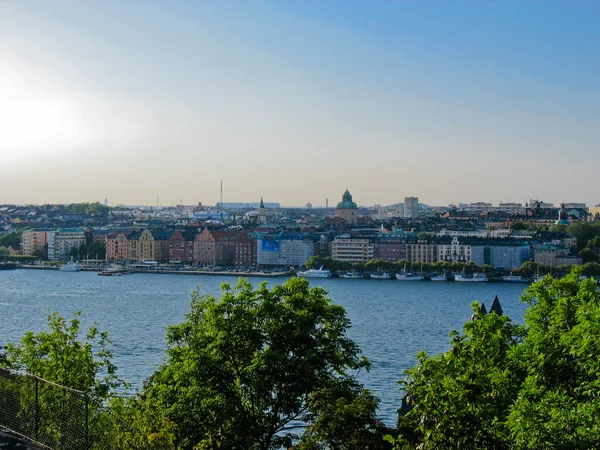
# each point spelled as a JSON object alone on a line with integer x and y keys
{"x": 169, "y": 272}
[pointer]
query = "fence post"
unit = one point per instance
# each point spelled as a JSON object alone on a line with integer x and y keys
{"x": 87, "y": 421}
{"x": 36, "y": 425}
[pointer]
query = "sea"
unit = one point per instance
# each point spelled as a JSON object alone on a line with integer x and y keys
{"x": 391, "y": 320}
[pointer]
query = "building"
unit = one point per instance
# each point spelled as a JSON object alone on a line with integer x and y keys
{"x": 284, "y": 250}
{"x": 411, "y": 207}
{"x": 63, "y": 240}
{"x": 262, "y": 214}
{"x": 33, "y": 242}
{"x": 353, "y": 250}
{"x": 347, "y": 209}
{"x": 453, "y": 250}
{"x": 422, "y": 250}
{"x": 117, "y": 245}
{"x": 555, "y": 255}
{"x": 390, "y": 249}
{"x": 505, "y": 255}
{"x": 181, "y": 247}
{"x": 223, "y": 248}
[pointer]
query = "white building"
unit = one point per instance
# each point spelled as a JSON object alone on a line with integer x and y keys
{"x": 354, "y": 250}
{"x": 411, "y": 207}
{"x": 63, "y": 240}
{"x": 454, "y": 251}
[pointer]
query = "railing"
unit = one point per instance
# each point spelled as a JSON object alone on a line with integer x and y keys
{"x": 56, "y": 417}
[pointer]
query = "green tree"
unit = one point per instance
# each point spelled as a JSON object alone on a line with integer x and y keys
{"x": 507, "y": 386}
{"x": 4, "y": 252}
{"x": 461, "y": 397}
{"x": 250, "y": 370}
{"x": 60, "y": 355}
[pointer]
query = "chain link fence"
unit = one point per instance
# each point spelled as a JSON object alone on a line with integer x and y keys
{"x": 60, "y": 418}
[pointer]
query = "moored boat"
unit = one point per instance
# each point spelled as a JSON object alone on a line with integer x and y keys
{"x": 407, "y": 276}
{"x": 477, "y": 277}
{"x": 381, "y": 276}
{"x": 440, "y": 277}
{"x": 353, "y": 274}
{"x": 514, "y": 279}
{"x": 70, "y": 267}
{"x": 315, "y": 273}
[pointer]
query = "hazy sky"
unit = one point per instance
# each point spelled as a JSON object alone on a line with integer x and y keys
{"x": 296, "y": 101}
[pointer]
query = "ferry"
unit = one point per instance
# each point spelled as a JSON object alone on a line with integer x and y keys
{"x": 315, "y": 273}
{"x": 70, "y": 267}
{"x": 477, "y": 278}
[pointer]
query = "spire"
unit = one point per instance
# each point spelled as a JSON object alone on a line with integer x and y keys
{"x": 496, "y": 307}
{"x": 262, "y": 205}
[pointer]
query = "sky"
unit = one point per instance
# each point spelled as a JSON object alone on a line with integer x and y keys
{"x": 296, "y": 101}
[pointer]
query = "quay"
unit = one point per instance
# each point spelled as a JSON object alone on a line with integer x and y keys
{"x": 166, "y": 271}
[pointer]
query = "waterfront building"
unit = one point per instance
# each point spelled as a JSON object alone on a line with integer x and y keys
{"x": 181, "y": 247}
{"x": 411, "y": 207}
{"x": 453, "y": 250}
{"x": 161, "y": 245}
{"x": 390, "y": 249}
{"x": 63, "y": 240}
{"x": 284, "y": 250}
{"x": 353, "y": 250}
{"x": 500, "y": 254}
{"x": 422, "y": 250}
{"x": 347, "y": 209}
{"x": 223, "y": 248}
{"x": 554, "y": 255}
{"x": 33, "y": 241}
{"x": 117, "y": 245}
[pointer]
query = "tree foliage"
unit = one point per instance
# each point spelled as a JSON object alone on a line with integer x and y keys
{"x": 250, "y": 370}
{"x": 507, "y": 386}
{"x": 61, "y": 356}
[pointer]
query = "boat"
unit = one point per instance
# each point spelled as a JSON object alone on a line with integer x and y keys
{"x": 315, "y": 273}
{"x": 7, "y": 266}
{"x": 407, "y": 276}
{"x": 70, "y": 267}
{"x": 381, "y": 276}
{"x": 114, "y": 271}
{"x": 353, "y": 274}
{"x": 441, "y": 277}
{"x": 514, "y": 279}
{"x": 477, "y": 277}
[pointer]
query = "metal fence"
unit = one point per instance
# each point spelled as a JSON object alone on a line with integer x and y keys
{"x": 60, "y": 418}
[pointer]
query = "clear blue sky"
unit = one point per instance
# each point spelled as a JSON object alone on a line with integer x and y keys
{"x": 296, "y": 101}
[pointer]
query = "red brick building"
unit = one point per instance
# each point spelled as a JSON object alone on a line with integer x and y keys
{"x": 224, "y": 248}
{"x": 181, "y": 246}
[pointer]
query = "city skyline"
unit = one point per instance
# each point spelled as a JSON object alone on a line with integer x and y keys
{"x": 296, "y": 102}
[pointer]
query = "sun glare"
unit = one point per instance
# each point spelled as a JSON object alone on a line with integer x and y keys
{"x": 37, "y": 116}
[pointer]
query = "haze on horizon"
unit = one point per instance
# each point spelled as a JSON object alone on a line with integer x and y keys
{"x": 297, "y": 101}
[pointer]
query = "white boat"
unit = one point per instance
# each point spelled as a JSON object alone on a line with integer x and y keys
{"x": 353, "y": 275}
{"x": 381, "y": 276}
{"x": 476, "y": 278}
{"x": 514, "y": 279}
{"x": 315, "y": 273}
{"x": 440, "y": 277}
{"x": 70, "y": 267}
{"x": 407, "y": 276}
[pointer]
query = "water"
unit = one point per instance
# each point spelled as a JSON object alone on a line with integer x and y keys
{"x": 391, "y": 320}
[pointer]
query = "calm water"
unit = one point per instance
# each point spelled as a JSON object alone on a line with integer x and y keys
{"x": 391, "y": 320}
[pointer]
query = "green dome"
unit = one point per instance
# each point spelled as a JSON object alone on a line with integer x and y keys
{"x": 347, "y": 202}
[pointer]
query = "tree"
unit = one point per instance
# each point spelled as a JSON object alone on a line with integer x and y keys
{"x": 4, "y": 252}
{"x": 61, "y": 356}
{"x": 460, "y": 398}
{"x": 507, "y": 386}
{"x": 252, "y": 369}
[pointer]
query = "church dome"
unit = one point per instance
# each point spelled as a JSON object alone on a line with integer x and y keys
{"x": 347, "y": 202}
